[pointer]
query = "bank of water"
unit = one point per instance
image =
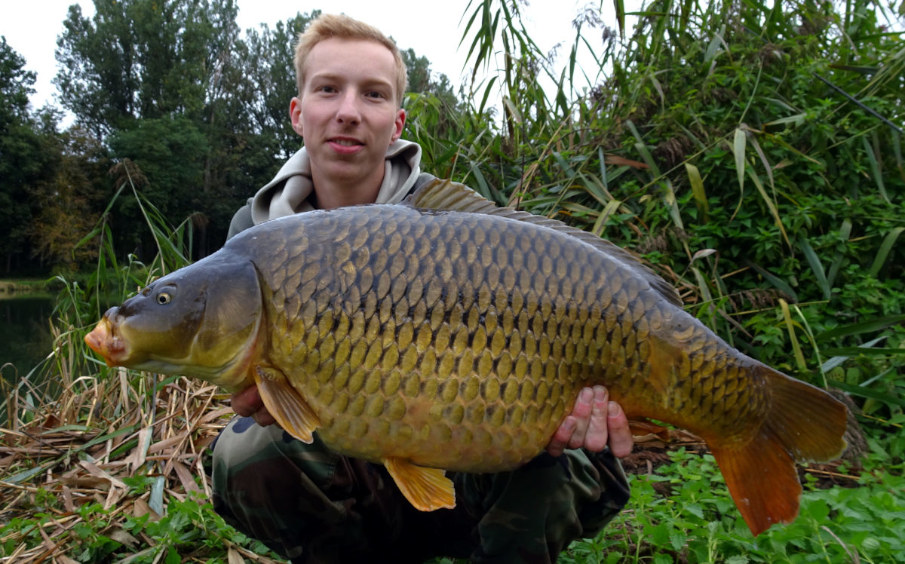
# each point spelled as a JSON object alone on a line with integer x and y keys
{"x": 25, "y": 338}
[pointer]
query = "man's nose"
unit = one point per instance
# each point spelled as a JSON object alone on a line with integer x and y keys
{"x": 349, "y": 110}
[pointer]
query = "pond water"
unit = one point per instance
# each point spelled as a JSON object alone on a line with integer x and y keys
{"x": 25, "y": 337}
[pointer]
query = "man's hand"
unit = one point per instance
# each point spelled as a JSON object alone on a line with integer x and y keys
{"x": 594, "y": 422}
{"x": 248, "y": 403}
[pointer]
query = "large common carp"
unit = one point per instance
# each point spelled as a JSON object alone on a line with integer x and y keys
{"x": 429, "y": 340}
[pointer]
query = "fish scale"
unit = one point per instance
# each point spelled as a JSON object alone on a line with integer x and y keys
{"x": 459, "y": 340}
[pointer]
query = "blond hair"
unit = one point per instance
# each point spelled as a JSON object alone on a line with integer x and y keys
{"x": 341, "y": 26}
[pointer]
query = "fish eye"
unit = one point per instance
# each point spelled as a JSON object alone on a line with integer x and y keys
{"x": 164, "y": 298}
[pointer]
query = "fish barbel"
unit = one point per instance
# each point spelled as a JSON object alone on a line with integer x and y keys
{"x": 432, "y": 340}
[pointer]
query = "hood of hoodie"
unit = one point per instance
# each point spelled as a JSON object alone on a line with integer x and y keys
{"x": 290, "y": 189}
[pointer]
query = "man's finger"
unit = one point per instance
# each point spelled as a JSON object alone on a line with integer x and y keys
{"x": 247, "y": 402}
{"x": 560, "y": 439}
{"x": 584, "y": 405}
{"x": 620, "y": 440}
{"x": 596, "y": 438}
{"x": 263, "y": 417}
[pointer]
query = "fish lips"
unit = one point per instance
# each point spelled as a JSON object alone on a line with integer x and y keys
{"x": 104, "y": 340}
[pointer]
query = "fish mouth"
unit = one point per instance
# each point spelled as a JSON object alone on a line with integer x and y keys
{"x": 104, "y": 341}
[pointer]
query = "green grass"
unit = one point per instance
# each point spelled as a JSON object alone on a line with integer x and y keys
{"x": 681, "y": 512}
{"x": 860, "y": 521}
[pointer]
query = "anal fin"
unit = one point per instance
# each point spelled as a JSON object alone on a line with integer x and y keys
{"x": 427, "y": 489}
{"x": 285, "y": 404}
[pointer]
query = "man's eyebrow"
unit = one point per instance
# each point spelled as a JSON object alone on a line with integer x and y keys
{"x": 369, "y": 81}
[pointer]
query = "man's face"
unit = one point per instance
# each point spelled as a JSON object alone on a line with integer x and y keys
{"x": 347, "y": 110}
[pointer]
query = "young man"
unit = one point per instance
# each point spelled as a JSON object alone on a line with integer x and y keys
{"x": 313, "y": 505}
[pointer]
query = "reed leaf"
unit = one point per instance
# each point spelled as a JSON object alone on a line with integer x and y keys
{"x": 776, "y": 281}
{"x": 697, "y": 189}
{"x": 816, "y": 268}
{"x": 875, "y": 168}
{"x": 870, "y": 393}
{"x": 864, "y": 351}
{"x": 771, "y": 205}
{"x": 845, "y": 232}
{"x": 885, "y": 249}
{"x": 793, "y": 339}
{"x": 739, "y": 142}
{"x": 603, "y": 216}
{"x": 869, "y": 326}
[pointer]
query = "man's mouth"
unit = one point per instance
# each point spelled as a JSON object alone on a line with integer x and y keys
{"x": 345, "y": 142}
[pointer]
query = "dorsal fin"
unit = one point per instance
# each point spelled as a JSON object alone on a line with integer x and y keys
{"x": 454, "y": 196}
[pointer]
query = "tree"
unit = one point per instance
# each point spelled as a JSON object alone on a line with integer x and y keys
{"x": 266, "y": 61}
{"x": 25, "y": 158}
{"x": 143, "y": 59}
{"x": 154, "y": 81}
{"x": 70, "y": 202}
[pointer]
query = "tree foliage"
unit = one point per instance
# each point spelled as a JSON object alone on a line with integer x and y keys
{"x": 266, "y": 62}
{"x": 142, "y": 59}
{"x": 70, "y": 202}
{"x": 26, "y": 158}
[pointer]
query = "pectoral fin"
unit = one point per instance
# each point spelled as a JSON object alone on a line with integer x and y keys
{"x": 285, "y": 404}
{"x": 426, "y": 489}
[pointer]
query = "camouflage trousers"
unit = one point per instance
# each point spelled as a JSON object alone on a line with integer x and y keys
{"x": 312, "y": 505}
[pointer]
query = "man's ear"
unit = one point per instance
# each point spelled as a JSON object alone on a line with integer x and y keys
{"x": 295, "y": 115}
{"x": 399, "y": 125}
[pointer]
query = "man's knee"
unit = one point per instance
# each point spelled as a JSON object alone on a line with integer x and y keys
{"x": 533, "y": 513}
{"x": 270, "y": 486}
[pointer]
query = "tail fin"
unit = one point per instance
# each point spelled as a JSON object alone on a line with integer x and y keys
{"x": 804, "y": 424}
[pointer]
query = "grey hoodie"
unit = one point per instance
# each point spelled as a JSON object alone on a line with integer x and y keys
{"x": 291, "y": 188}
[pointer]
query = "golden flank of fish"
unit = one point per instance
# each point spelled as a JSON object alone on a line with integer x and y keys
{"x": 459, "y": 339}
